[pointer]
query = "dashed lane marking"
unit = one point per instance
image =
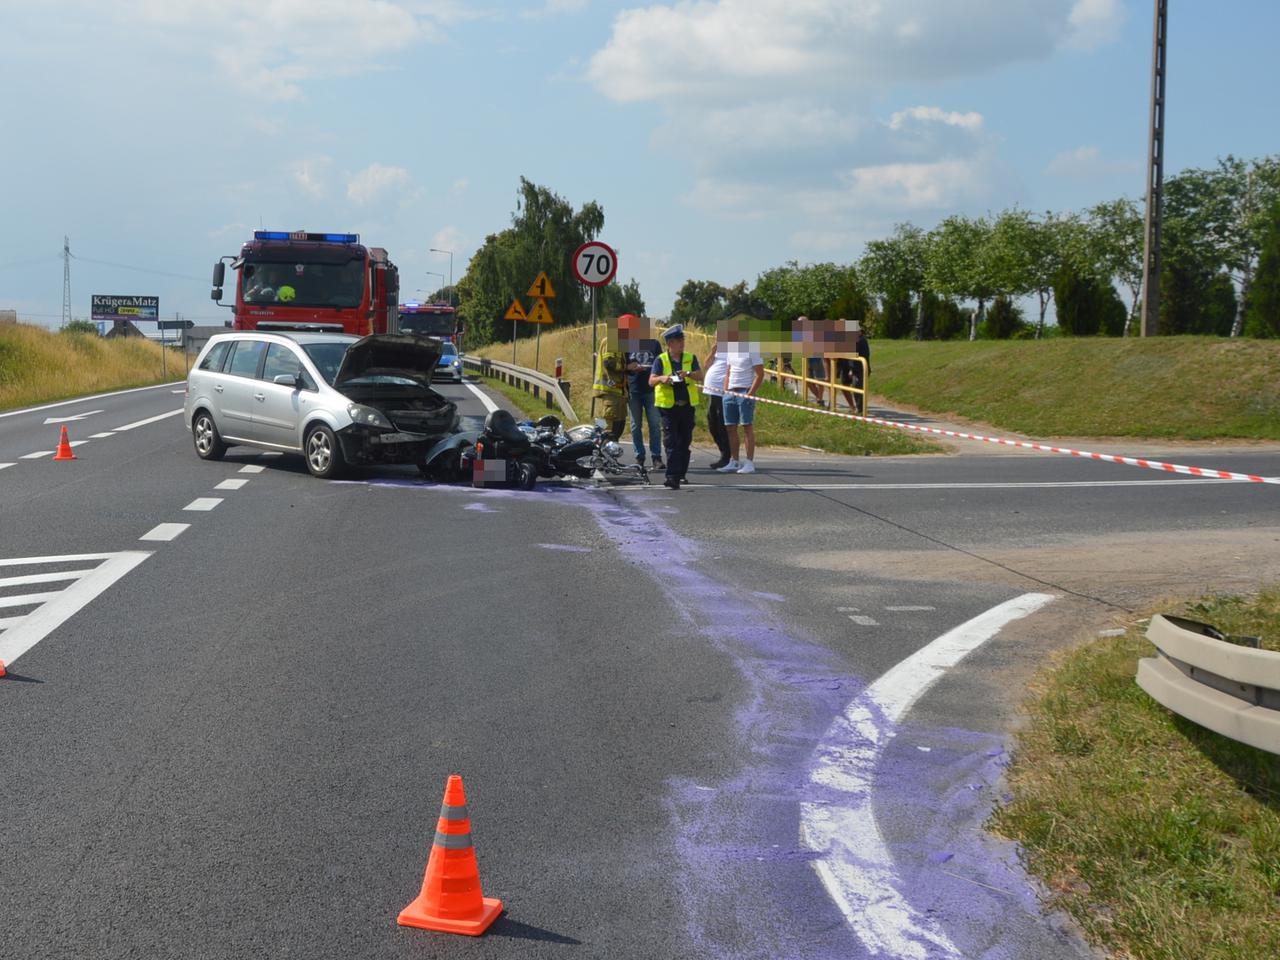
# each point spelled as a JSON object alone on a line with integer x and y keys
{"x": 848, "y": 609}
{"x": 203, "y": 503}
{"x": 3, "y": 465}
{"x": 252, "y": 468}
{"x": 165, "y": 531}
{"x": 909, "y": 609}
{"x": 143, "y": 423}
{"x": 18, "y": 634}
{"x": 76, "y": 443}
{"x": 863, "y": 621}
{"x": 67, "y": 403}
{"x": 231, "y": 484}
{"x": 103, "y": 435}
{"x": 37, "y": 455}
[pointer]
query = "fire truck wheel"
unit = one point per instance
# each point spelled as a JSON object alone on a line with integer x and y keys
{"x": 208, "y": 441}
{"x": 322, "y": 452}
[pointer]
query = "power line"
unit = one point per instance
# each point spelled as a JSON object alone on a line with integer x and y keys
{"x": 127, "y": 266}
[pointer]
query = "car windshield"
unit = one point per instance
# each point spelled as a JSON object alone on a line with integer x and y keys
{"x": 448, "y": 350}
{"x": 428, "y": 324}
{"x": 327, "y": 357}
{"x": 300, "y": 284}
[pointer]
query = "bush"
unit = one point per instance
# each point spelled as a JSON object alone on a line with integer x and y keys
{"x": 81, "y": 327}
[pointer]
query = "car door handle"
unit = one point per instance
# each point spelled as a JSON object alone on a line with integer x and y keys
{"x": 259, "y": 396}
{"x": 217, "y": 388}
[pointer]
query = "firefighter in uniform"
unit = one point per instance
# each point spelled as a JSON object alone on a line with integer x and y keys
{"x": 611, "y": 383}
{"x": 674, "y": 379}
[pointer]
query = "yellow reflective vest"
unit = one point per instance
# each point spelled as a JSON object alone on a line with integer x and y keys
{"x": 664, "y": 394}
{"x": 611, "y": 373}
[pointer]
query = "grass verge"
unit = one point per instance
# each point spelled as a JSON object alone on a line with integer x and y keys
{"x": 1161, "y": 838}
{"x": 41, "y": 366}
{"x": 530, "y": 406}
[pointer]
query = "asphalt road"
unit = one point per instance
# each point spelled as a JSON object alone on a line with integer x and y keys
{"x": 236, "y": 746}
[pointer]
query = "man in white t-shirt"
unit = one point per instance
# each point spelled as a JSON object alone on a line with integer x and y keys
{"x": 742, "y": 380}
{"x": 713, "y": 389}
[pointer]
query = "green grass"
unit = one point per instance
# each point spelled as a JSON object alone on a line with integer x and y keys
{"x": 1162, "y": 387}
{"x": 529, "y": 405}
{"x": 1160, "y": 837}
{"x": 41, "y": 366}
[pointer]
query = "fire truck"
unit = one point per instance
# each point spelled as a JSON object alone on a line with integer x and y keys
{"x": 295, "y": 280}
{"x": 439, "y": 320}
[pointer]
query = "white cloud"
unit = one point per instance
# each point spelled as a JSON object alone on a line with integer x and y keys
{"x": 375, "y": 180}
{"x": 903, "y": 118}
{"x": 1087, "y": 163}
{"x": 448, "y": 238}
{"x": 459, "y": 186}
{"x": 1095, "y": 22}
{"x": 916, "y": 186}
{"x": 309, "y": 175}
{"x": 726, "y": 49}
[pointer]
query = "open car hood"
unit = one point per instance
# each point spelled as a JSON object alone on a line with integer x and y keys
{"x": 390, "y": 355}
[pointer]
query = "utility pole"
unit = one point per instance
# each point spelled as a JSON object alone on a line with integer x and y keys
{"x": 66, "y": 280}
{"x": 1155, "y": 175}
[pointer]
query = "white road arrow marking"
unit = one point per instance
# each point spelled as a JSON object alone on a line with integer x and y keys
{"x": 78, "y": 416}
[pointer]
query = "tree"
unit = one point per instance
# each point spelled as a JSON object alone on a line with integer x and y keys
{"x": 1263, "y": 319}
{"x": 1087, "y": 305}
{"x": 1004, "y": 321}
{"x": 1028, "y": 253}
{"x": 815, "y": 290}
{"x": 1111, "y": 247}
{"x": 699, "y": 303}
{"x": 613, "y": 300}
{"x": 544, "y": 232}
{"x": 738, "y": 299}
{"x": 896, "y": 267}
{"x": 959, "y": 263}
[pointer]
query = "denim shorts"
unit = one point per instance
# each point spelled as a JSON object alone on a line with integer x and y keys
{"x": 817, "y": 368}
{"x": 739, "y": 409}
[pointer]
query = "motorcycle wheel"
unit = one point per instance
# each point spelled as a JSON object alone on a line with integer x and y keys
{"x": 528, "y": 476}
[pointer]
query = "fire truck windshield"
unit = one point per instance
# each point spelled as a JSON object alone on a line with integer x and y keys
{"x": 300, "y": 284}
{"x": 429, "y": 324}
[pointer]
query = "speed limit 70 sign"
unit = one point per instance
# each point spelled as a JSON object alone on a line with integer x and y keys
{"x": 595, "y": 263}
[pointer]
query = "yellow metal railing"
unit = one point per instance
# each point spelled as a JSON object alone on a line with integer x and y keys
{"x": 781, "y": 376}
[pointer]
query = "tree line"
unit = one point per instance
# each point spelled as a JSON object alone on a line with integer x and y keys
{"x": 1220, "y": 270}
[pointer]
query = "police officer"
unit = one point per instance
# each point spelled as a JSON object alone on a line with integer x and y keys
{"x": 611, "y": 382}
{"x": 674, "y": 378}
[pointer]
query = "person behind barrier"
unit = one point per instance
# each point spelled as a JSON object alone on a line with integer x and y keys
{"x": 611, "y": 382}
{"x": 815, "y": 365}
{"x": 713, "y": 389}
{"x": 640, "y": 396}
{"x": 851, "y": 371}
{"x": 742, "y": 380}
{"x": 674, "y": 377}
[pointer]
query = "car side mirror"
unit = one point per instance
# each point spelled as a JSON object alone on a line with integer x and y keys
{"x": 289, "y": 380}
{"x": 215, "y": 294}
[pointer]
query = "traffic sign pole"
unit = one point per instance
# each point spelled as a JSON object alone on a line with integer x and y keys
{"x": 595, "y": 353}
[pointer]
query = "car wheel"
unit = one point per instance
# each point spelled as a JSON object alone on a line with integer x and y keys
{"x": 528, "y": 476}
{"x": 208, "y": 441}
{"x": 323, "y": 454}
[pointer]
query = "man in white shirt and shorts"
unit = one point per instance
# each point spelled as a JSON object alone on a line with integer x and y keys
{"x": 742, "y": 380}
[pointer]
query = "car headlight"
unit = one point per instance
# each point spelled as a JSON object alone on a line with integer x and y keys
{"x": 368, "y": 416}
{"x": 457, "y": 363}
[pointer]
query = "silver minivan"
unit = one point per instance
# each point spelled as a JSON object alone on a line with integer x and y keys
{"x": 336, "y": 399}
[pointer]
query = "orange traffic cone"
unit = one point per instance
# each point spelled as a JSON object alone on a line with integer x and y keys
{"x": 3, "y": 672}
{"x": 450, "y": 899}
{"x": 64, "y": 447}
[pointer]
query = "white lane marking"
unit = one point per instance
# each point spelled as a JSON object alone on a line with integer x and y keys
{"x": 26, "y": 599}
{"x": 43, "y": 577}
{"x": 69, "y": 419}
{"x": 863, "y": 621}
{"x": 35, "y": 456}
{"x": 231, "y": 484}
{"x": 203, "y": 503}
{"x": 143, "y": 423}
{"x": 848, "y": 609}
{"x": 856, "y": 866}
{"x": 21, "y": 634}
{"x": 3, "y": 465}
{"x": 489, "y": 405}
{"x": 908, "y": 608}
{"x": 183, "y": 390}
{"x": 164, "y": 531}
{"x": 994, "y": 485}
{"x": 89, "y": 399}
{"x": 76, "y": 443}
{"x": 103, "y": 435}
{"x": 252, "y": 468}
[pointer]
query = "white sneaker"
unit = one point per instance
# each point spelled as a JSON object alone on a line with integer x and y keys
{"x": 730, "y": 467}
{"x": 747, "y": 467}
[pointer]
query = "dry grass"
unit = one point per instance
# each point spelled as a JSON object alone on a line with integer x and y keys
{"x": 40, "y": 366}
{"x": 1160, "y": 837}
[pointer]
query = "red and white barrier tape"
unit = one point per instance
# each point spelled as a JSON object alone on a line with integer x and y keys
{"x": 1028, "y": 445}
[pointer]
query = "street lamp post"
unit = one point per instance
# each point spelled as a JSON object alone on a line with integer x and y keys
{"x": 450, "y": 253}
{"x": 433, "y": 273}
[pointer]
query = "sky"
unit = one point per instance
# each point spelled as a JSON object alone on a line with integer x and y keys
{"x": 721, "y": 137}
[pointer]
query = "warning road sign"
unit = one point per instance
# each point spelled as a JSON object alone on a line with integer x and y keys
{"x": 540, "y": 313}
{"x": 542, "y": 287}
{"x": 515, "y": 311}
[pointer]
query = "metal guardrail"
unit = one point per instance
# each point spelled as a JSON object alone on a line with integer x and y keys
{"x": 1229, "y": 688}
{"x": 782, "y": 376}
{"x": 554, "y": 392}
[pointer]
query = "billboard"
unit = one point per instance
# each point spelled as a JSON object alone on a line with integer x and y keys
{"x": 116, "y": 309}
